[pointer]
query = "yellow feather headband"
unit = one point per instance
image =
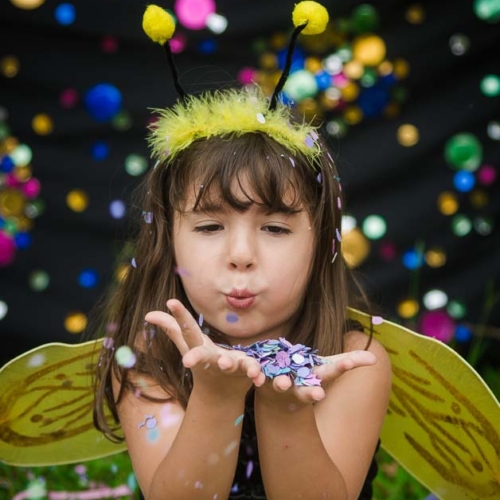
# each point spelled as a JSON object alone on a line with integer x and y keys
{"x": 230, "y": 112}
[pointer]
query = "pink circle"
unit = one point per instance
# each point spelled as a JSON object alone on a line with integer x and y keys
{"x": 178, "y": 43}
{"x": 31, "y": 188}
{"x": 486, "y": 175}
{"x": 340, "y": 80}
{"x": 246, "y": 75}
{"x": 68, "y": 98}
{"x": 11, "y": 180}
{"x": 193, "y": 13}
{"x": 109, "y": 44}
{"x": 437, "y": 324}
{"x": 7, "y": 249}
{"x": 387, "y": 250}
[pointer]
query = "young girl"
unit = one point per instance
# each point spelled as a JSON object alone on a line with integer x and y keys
{"x": 238, "y": 268}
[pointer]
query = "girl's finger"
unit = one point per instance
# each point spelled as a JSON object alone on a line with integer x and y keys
{"x": 190, "y": 329}
{"x": 282, "y": 383}
{"x": 337, "y": 365}
{"x": 170, "y": 326}
{"x": 309, "y": 394}
{"x": 196, "y": 356}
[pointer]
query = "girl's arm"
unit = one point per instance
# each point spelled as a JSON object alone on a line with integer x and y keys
{"x": 324, "y": 450}
{"x": 182, "y": 454}
{"x": 191, "y": 454}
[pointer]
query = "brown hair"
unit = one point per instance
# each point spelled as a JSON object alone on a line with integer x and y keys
{"x": 211, "y": 167}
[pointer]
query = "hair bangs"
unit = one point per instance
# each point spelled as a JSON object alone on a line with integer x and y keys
{"x": 240, "y": 172}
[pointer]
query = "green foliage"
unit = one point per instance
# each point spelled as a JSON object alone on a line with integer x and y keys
{"x": 108, "y": 472}
{"x": 393, "y": 482}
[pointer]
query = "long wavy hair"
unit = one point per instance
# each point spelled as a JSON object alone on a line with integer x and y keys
{"x": 216, "y": 164}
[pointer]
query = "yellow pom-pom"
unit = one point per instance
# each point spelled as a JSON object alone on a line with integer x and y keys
{"x": 312, "y": 13}
{"x": 158, "y": 24}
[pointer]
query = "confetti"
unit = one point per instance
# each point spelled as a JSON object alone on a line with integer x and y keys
{"x": 377, "y": 320}
{"x": 232, "y": 318}
{"x": 261, "y": 118}
{"x": 280, "y": 357}
{"x": 239, "y": 420}
{"x": 200, "y": 319}
{"x": 292, "y": 161}
{"x": 125, "y": 357}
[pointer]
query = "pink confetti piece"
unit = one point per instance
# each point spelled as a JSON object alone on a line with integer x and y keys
{"x": 134, "y": 263}
{"x": 292, "y": 161}
{"x": 249, "y": 469}
{"x": 377, "y": 320}
{"x": 339, "y": 203}
{"x": 182, "y": 272}
{"x": 337, "y": 233}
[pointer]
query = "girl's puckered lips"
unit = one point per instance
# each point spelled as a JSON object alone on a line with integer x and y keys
{"x": 240, "y": 299}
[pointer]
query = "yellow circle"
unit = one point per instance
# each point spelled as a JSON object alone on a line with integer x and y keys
{"x": 435, "y": 257}
{"x": 415, "y": 14}
{"x": 408, "y": 308}
{"x": 9, "y": 144}
{"x": 350, "y": 92}
{"x": 9, "y": 66}
{"x": 352, "y": 115}
{"x": 313, "y": 64}
{"x": 22, "y": 174}
{"x": 447, "y": 203}
{"x": 279, "y": 41}
{"x": 11, "y": 203}
{"x": 355, "y": 247}
{"x": 27, "y": 4}
{"x": 268, "y": 60}
{"x": 24, "y": 224}
{"x": 77, "y": 200}
{"x": 391, "y": 110}
{"x": 369, "y": 50}
{"x": 308, "y": 107}
{"x": 401, "y": 68}
{"x": 408, "y": 135}
{"x": 42, "y": 124}
{"x": 354, "y": 70}
{"x": 479, "y": 198}
{"x": 75, "y": 322}
{"x": 385, "y": 68}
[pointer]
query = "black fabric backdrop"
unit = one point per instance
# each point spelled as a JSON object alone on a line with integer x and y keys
{"x": 379, "y": 176}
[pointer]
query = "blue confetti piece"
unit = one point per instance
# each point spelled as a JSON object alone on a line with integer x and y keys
{"x": 232, "y": 318}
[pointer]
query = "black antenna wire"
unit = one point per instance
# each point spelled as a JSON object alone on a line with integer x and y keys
{"x": 173, "y": 70}
{"x": 288, "y": 65}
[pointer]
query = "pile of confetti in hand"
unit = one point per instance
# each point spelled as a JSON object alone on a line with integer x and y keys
{"x": 280, "y": 357}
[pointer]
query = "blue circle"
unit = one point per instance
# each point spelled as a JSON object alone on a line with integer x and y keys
{"x": 207, "y": 46}
{"x": 6, "y": 164}
{"x": 464, "y": 181}
{"x": 373, "y": 100}
{"x": 100, "y": 150}
{"x": 298, "y": 59}
{"x": 462, "y": 333}
{"x": 88, "y": 278}
{"x": 103, "y": 102}
{"x": 22, "y": 240}
{"x": 412, "y": 259}
{"x": 324, "y": 80}
{"x": 65, "y": 14}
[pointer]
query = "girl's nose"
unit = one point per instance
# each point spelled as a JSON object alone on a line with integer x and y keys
{"x": 241, "y": 251}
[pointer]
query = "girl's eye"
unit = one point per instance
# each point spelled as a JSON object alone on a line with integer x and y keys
{"x": 209, "y": 228}
{"x": 276, "y": 230}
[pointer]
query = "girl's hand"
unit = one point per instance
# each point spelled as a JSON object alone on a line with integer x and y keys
{"x": 281, "y": 390}
{"x": 214, "y": 368}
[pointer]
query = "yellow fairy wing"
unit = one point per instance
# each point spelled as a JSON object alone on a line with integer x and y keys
{"x": 443, "y": 422}
{"x": 46, "y": 399}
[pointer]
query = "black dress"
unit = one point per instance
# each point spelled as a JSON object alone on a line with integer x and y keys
{"x": 248, "y": 483}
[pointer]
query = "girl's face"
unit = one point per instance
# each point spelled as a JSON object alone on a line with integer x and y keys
{"x": 245, "y": 272}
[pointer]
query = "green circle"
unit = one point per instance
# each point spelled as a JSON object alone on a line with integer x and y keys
{"x": 301, "y": 85}
{"x": 364, "y": 19}
{"x": 490, "y": 86}
{"x": 464, "y": 151}
{"x": 487, "y": 10}
{"x": 135, "y": 165}
{"x": 456, "y": 309}
{"x": 39, "y": 280}
{"x": 461, "y": 225}
{"x": 374, "y": 227}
